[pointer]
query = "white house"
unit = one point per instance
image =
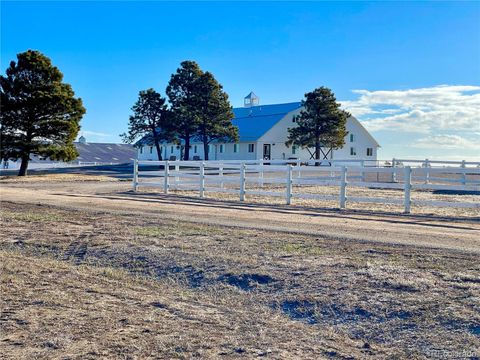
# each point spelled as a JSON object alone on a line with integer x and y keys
{"x": 263, "y": 131}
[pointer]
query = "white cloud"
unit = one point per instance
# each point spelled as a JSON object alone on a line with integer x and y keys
{"x": 448, "y": 142}
{"x": 94, "y": 133}
{"x": 422, "y": 110}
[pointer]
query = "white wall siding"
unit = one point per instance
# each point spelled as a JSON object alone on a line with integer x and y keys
{"x": 361, "y": 141}
{"x": 145, "y": 154}
{"x": 214, "y": 153}
{"x": 278, "y": 134}
{"x": 229, "y": 154}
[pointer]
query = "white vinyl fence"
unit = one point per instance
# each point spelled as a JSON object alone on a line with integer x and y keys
{"x": 280, "y": 178}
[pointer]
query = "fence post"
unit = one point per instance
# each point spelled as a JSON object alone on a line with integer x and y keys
{"x": 362, "y": 164}
{"x": 261, "y": 175}
{"x": 202, "y": 179}
{"x": 408, "y": 186}
{"x": 288, "y": 194}
{"x": 427, "y": 173}
{"x": 242, "y": 182}
{"x": 464, "y": 174}
{"x": 394, "y": 174}
{"x": 177, "y": 170}
{"x": 135, "y": 175}
{"x": 343, "y": 187}
{"x": 166, "y": 184}
{"x": 220, "y": 172}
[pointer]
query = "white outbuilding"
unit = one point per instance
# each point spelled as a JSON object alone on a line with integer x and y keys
{"x": 263, "y": 131}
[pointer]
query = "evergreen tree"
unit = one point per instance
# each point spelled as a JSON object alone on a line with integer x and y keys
{"x": 215, "y": 113}
{"x": 39, "y": 113}
{"x": 150, "y": 120}
{"x": 182, "y": 91}
{"x": 320, "y": 124}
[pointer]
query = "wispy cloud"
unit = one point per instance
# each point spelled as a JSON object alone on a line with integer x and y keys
{"x": 94, "y": 133}
{"x": 422, "y": 110}
{"x": 448, "y": 142}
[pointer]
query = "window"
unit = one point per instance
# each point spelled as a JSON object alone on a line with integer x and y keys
{"x": 353, "y": 151}
{"x": 235, "y": 148}
{"x": 141, "y": 150}
{"x": 171, "y": 149}
{"x": 195, "y": 149}
{"x": 352, "y": 138}
{"x": 294, "y": 118}
{"x": 221, "y": 148}
{"x": 251, "y": 148}
{"x": 151, "y": 149}
{"x": 369, "y": 151}
{"x": 294, "y": 150}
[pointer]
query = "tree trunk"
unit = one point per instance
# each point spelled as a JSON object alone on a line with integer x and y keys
{"x": 187, "y": 148}
{"x": 156, "y": 142}
{"x": 159, "y": 151}
{"x": 317, "y": 152}
{"x": 24, "y": 165}
{"x": 205, "y": 147}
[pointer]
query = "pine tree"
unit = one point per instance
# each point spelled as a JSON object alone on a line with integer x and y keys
{"x": 320, "y": 124}
{"x": 182, "y": 91}
{"x": 215, "y": 113}
{"x": 150, "y": 119}
{"x": 39, "y": 113}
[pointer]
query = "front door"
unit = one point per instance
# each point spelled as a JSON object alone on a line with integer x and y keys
{"x": 266, "y": 151}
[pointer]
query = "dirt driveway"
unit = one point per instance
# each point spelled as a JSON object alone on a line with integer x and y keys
{"x": 414, "y": 230}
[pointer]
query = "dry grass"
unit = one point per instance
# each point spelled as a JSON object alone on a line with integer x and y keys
{"x": 98, "y": 285}
{"x": 62, "y": 310}
{"x": 54, "y": 178}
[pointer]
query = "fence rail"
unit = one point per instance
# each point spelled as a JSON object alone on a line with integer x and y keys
{"x": 288, "y": 178}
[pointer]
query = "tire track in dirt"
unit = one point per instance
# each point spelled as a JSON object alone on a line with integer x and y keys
{"x": 77, "y": 249}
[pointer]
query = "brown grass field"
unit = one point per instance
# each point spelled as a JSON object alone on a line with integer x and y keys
{"x": 90, "y": 270}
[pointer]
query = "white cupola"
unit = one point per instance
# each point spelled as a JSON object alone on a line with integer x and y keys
{"x": 251, "y": 100}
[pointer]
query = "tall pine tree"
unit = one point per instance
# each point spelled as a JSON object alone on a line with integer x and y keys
{"x": 39, "y": 113}
{"x": 182, "y": 91}
{"x": 215, "y": 113}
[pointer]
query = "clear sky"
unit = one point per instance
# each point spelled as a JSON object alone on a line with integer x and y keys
{"x": 410, "y": 71}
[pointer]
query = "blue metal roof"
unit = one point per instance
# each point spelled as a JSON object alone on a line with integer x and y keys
{"x": 252, "y": 121}
{"x": 255, "y": 121}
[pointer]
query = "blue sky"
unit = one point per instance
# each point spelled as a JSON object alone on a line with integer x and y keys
{"x": 409, "y": 71}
